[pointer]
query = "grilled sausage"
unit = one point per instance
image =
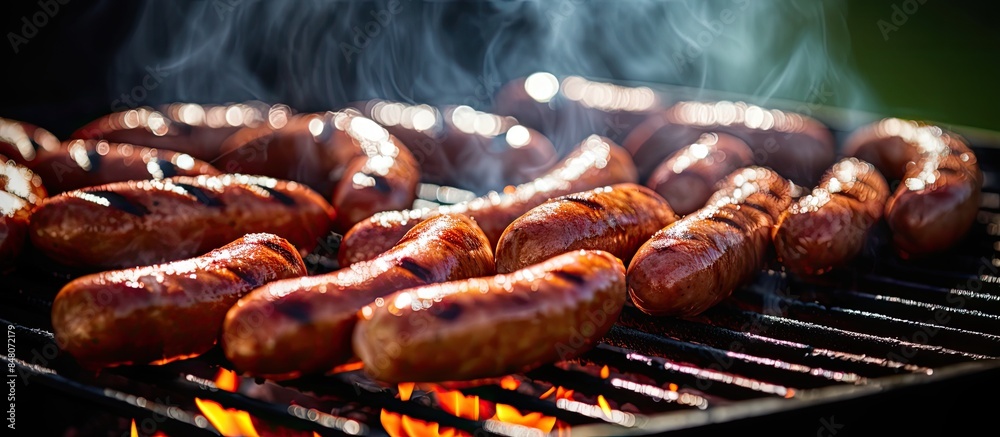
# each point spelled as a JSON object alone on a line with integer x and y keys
{"x": 343, "y": 156}
{"x": 695, "y": 262}
{"x": 125, "y": 224}
{"x": 181, "y": 127}
{"x": 165, "y": 312}
{"x": 301, "y": 326}
{"x": 597, "y": 162}
{"x": 86, "y": 163}
{"x": 464, "y": 148}
{"x": 796, "y": 146}
{"x": 570, "y": 109}
{"x": 827, "y": 228}
{"x": 492, "y": 326}
{"x": 688, "y": 177}
{"x": 21, "y": 142}
{"x": 616, "y": 219}
{"x": 20, "y": 191}
{"x": 938, "y": 198}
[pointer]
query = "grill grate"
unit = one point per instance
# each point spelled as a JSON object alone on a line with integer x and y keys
{"x": 775, "y": 345}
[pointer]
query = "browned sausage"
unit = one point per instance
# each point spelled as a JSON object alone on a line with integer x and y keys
{"x": 827, "y": 228}
{"x": 597, "y": 162}
{"x": 86, "y": 163}
{"x": 342, "y": 155}
{"x": 572, "y": 108}
{"x": 21, "y": 142}
{"x": 20, "y": 191}
{"x": 126, "y": 224}
{"x": 796, "y": 146}
{"x": 695, "y": 262}
{"x": 616, "y": 219}
{"x": 197, "y": 130}
{"x": 492, "y": 326}
{"x": 938, "y": 198}
{"x": 464, "y": 148}
{"x": 302, "y": 326}
{"x": 688, "y": 177}
{"x": 169, "y": 311}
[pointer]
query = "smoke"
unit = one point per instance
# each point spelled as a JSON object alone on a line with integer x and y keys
{"x": 317, "y": 55}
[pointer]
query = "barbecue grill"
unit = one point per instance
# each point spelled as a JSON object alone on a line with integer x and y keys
{"x": 876, "y": 346}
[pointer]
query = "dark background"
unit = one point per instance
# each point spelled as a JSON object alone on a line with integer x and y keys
{"x": 940, "y": 65}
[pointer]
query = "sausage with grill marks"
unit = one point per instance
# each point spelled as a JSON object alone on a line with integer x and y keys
{"x": 616, "y": 219}
{"x": 169, "y": 311}
{"x": 86, "y": 163}
{"x": 688, "y": 177}
{"x": 22, "y": 142}
{"x": 126, "y": 224}
{"x": 798, "y": 147}
{"x": 827, "y": 228}
{"x": 342, "y": 155}
{"x": 197, "y": 130}
{"x": 302, "y": 326}
{"x": 493, "y": 326}
{"x": 20, "y": 191}
{"x": 597, "y": 162}
{"x": 695, "y": 262}
{"x": 938, "y": 199}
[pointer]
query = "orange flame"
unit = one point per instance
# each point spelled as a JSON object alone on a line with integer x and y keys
{"x": 135, "y": 433}
{"x": 398, "y": 425}
{"x": 673, "y": 387}
{"x": 510, "y": 383}
{"x": 605, "y": 372}
{"x": 227, "y": 380}
{"x": 405, "y": 390}
{"x": 561, "y": 393}
{"x": 227, "y": 421}
{"x": 457, "y": 404}
{"x": 509, "y": 414}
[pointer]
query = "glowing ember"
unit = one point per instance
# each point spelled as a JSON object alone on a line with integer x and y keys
{"x": 605, "y": 372}
{"x": 349, "y": 367}
{"x": 509, "y": 383}
{"x": 604, "y": 405}
{"x": 673, "y": 387}
{"x": 405, "y": 390}
{"x": 397, "y": 425}
{"x": 509, "y": 414}
{"x": 228, "y": 422}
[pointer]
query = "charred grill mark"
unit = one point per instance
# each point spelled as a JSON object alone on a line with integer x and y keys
{"x": 570, "y": 277}
{"x": 758, "y": 207}
{"x": 295, "y": 309}
{"x": 121, "y": 203}
{"x": 421, "y": 272}
{"x": 199, "y": 194}
{"x": 167, "y": 167}
{"x": 281, "y": 250}
{"x": 282, "y": 197}
{"x": 381, "y": 183}
{"x": 726, "y": 221}
{"x": 446, "y": 310}
{"x": 585, "y": 202}
{"x": 95, "y": 161}
{"x": 247, "y": 277}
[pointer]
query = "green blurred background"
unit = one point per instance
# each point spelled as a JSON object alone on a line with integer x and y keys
{"x": 942, "y": 64}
